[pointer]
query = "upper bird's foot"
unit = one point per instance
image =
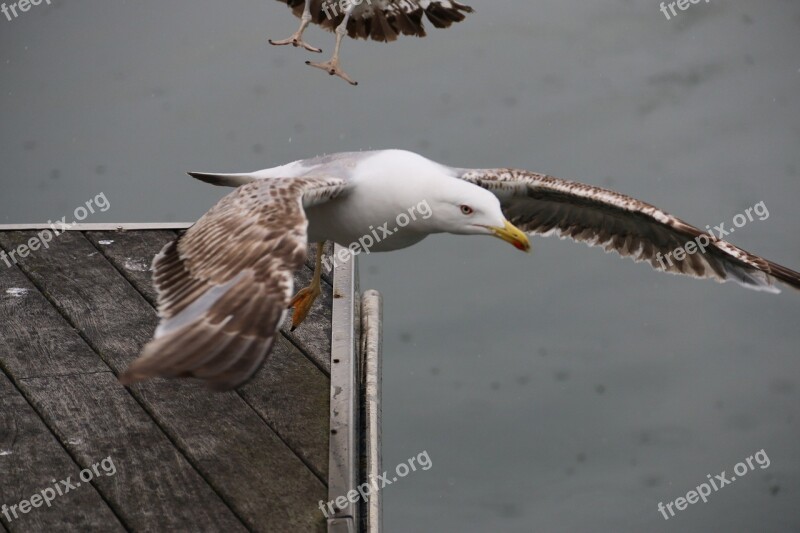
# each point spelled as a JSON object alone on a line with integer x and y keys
{"x": 302, "y": 303}
{"x": 332, "y": 67}
{"x": 296, "y": 40}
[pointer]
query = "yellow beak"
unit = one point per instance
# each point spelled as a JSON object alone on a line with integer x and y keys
{"x": 512, "y": 235}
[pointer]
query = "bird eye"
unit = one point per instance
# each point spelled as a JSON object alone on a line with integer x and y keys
{"x": 467, "y": 210}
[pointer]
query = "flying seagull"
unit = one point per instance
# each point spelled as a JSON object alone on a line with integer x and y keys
{"x": 225, "y": 285}
{"x": 379, "y": 20}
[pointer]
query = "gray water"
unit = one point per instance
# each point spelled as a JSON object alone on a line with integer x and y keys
{"x": 567, "y": 390}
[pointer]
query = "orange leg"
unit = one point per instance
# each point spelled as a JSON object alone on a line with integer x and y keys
{"x": 305, "y": 298}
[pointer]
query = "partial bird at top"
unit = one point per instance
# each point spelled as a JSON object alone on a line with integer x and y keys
{"x": 224, "y": 286}
{"x": 379, "y": 20}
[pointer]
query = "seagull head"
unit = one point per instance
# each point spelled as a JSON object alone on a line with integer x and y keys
{"x": 403, "y": 179}
{"x": 466, "y": 209}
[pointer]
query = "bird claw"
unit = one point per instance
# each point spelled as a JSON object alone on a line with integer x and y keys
{"x": 302, "y": 303}
{"x": 296, "y": 40}
{"x": 332, "y": 67}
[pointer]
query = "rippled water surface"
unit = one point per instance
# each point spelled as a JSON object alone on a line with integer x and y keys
{"x": 566, "y": 390}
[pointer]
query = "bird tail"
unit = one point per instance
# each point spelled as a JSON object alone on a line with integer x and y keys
{"x": 223, "y": 180}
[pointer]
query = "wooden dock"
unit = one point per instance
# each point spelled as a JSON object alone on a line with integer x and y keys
{"x": 73, "y": 315}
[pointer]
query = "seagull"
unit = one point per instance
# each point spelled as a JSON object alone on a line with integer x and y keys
{"x": 224, "y": 287}
{"x": 379, "y": 20}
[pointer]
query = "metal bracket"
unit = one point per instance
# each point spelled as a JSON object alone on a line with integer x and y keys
{"x": 100, "y": 226}
{"x": 371, "y": 351}
{"x": 343, "y": 467}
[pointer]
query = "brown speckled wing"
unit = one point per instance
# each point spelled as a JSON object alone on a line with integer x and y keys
{"x": 224, "y": 286}
{"x": 385, "y": 20}
{"x": 545, "y": 205}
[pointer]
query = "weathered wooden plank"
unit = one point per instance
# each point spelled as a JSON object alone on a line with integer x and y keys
{"x": 293, "y": 396}
{"x": 153, "y": 488}
{"x": 220, "y": 434}
{"x": 132, "y": 253}
{"x": 29, "y": 325}
{"x": 60, "y": 357}
{"x": 30, "y": 458}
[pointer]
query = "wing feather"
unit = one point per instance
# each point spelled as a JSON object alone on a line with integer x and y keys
{"x": 384, "y": 20}
{"x": 545, "y": 205}
{"x": 223, "y": 287}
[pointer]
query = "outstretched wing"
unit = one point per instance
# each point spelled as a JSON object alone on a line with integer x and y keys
{"x": 384, "y": 20}
{"x": 224, "y": 286}
{"x": 544, "y": 205}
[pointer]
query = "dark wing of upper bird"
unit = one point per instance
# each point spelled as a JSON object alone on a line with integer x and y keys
{"x": 384, "y": 20}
